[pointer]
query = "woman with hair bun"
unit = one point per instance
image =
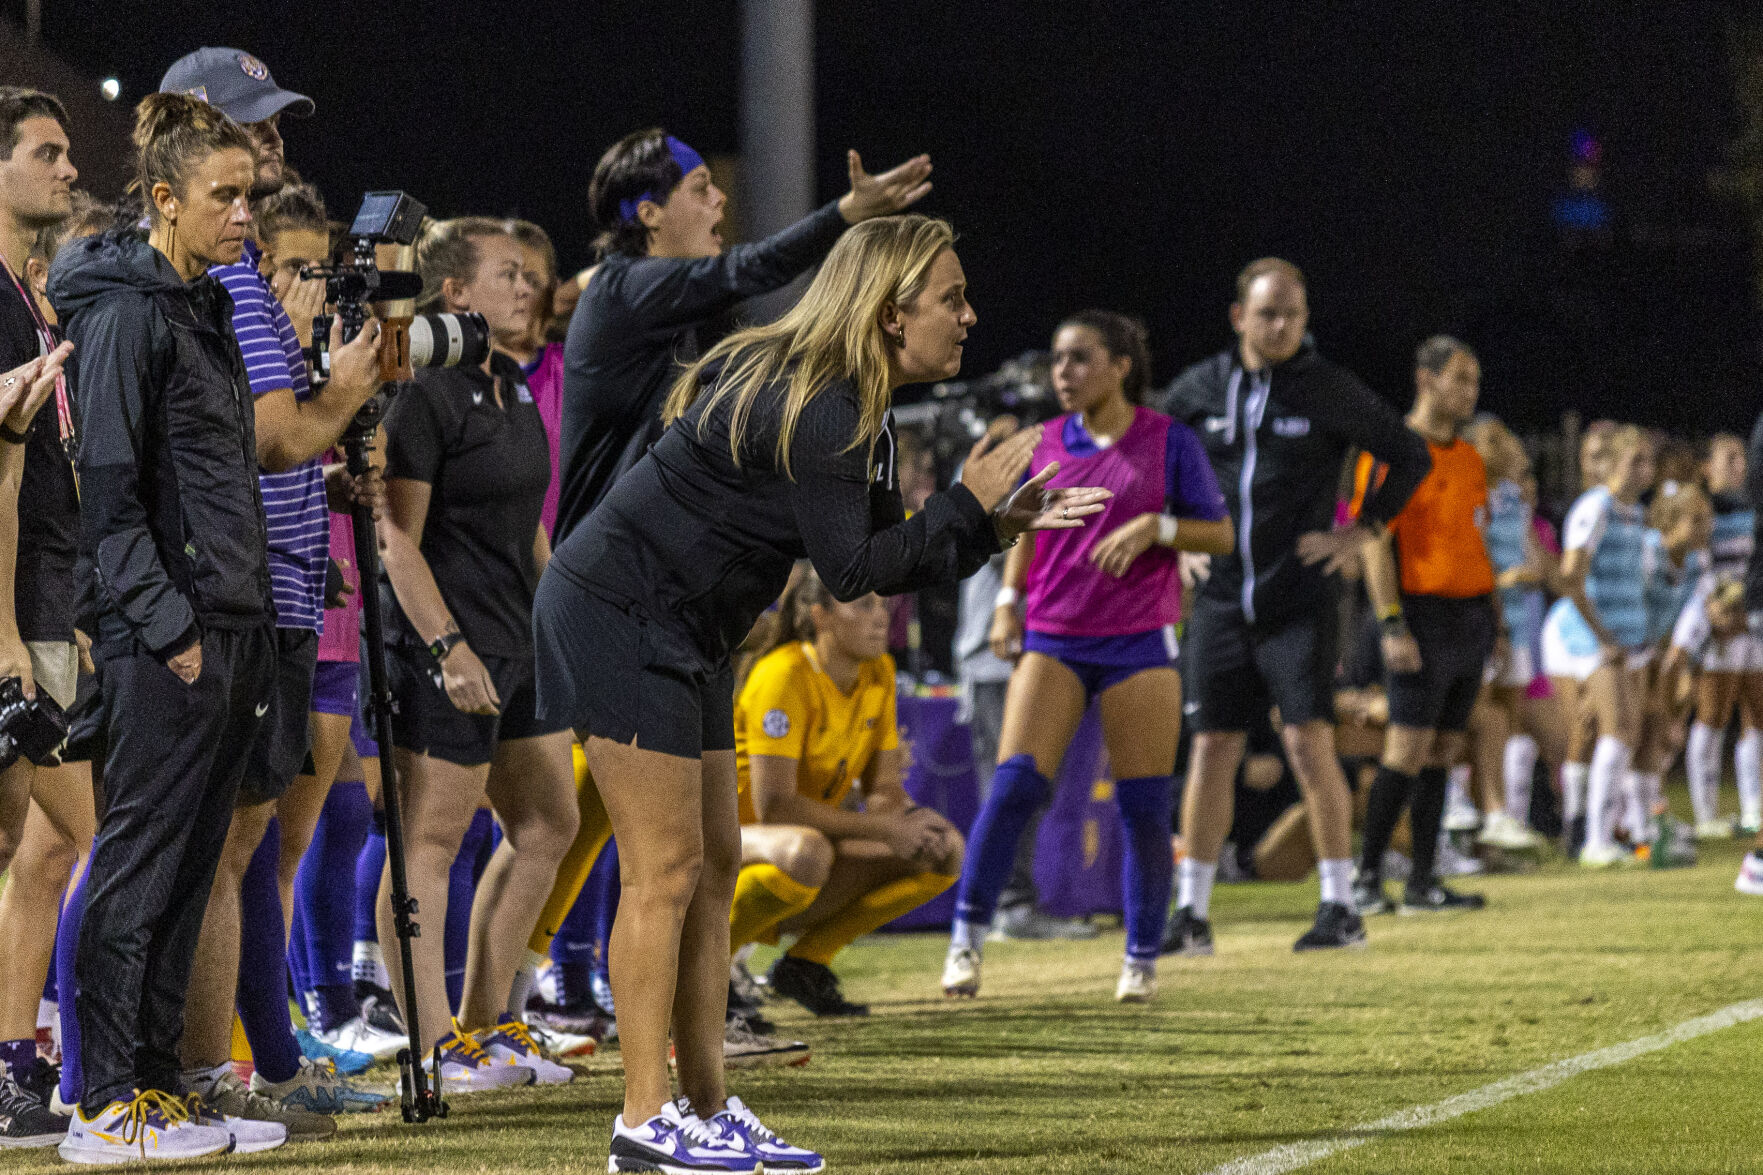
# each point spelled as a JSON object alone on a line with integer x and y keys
{"x": 172, "y": 523}
{"x": 1101, "y": 608}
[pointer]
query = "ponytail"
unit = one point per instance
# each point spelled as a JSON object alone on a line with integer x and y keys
{"x": 173, "y": 132}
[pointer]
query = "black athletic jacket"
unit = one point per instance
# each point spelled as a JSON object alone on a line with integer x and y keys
{"x": 1277, "y": 443}
{"x": 637, "y": 321}
{"x": 171, "y": 517}
{"x": 702, "y": 544}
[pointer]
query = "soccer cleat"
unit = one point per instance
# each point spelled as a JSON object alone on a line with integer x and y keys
{"x": 671, "y": 1145}
{"x": 1138, "y": 983}
{"x": 348, "y": 1062}
{"x": 509, "y": 1041}
{"x": 746, "y": 987}
{"x": 1461, "y": 814}
{"x": 1187, "y": 935}
{"x": 358, "y": 1036}
{"x": 562, "y": 1044}
{"x": 1369, "y": 898}
{"x": 1504, "y": 831}
{"x": 317, "y": 1089}
{"x": 1750, "y": 878}
{"x": 1436, "y": 897}
{"x": 743, "y": 1048}
{"x": 1336, "y": 926}
{"x": 380, "y": 1011}
{"x": 773, "y": 1152}
{"x": 24, "y": 1120}
{"x": 250, "y": 1135}
{"x": 467, "y": 1068}
{"x": 579, "y": 1021}
{"x": 151, "y": 1126}
{"x": 1025, "y": 923}
{"x": 814, "y": 986}
{"x": 1714, "y": 830}
{"x": 1604, "y": 856}
{"x": 961, "y": 972}
{"x": 228, "y": 1097}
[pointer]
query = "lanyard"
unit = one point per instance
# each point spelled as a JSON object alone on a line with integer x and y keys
{"x": 46, "y": 340}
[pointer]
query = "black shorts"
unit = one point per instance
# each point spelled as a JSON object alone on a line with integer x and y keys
{"x": 284, "y": 732}
{"x": 428, "y": 722}
{"x": 1456, "y": 638}
{"x": 1234, "y": 669}
{"x": 85, "y": 724}
{"x": 609, "y": 669}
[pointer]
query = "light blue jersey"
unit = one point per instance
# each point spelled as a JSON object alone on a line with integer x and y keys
{"x": 1669, "y": 588}
{"x": 1507, "y": 535}
{"x": 1734, "y": 524}
{"x": 1614, "y": 537}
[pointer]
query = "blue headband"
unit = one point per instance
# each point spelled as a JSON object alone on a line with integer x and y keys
{"x": 688, "y": 160}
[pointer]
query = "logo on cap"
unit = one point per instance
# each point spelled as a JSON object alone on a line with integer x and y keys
{"x": 200, "y": 93}
{"x": 253, "y": 68}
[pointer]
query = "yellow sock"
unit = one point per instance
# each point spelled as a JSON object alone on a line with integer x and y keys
{"x": 764, "y": 896}
{"x": 241, "y": 1046}
{"x": 874, "y": 909}
{"x": 572, "y": 874}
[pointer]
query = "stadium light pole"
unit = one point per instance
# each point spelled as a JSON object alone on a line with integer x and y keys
{"x": 777, "y": 125}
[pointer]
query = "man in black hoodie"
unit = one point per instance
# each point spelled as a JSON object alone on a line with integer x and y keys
{"x": 1278, "y": 421}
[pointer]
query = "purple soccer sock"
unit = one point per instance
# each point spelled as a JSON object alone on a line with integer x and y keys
{"x": 324, "y": 904}
{"x": 19, "y": 1055}
{"x": 67, "y": 948}
{"x": 263, "y": 976}
{"x": 1018, "y": 791}
{"x": 370, "y": 867}
{"x": 461, "y": 888}
{"x": 1147, "y": 806}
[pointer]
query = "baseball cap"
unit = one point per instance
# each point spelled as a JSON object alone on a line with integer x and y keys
{"x": 236, "y": 82}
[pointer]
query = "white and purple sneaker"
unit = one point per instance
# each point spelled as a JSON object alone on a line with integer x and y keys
{"x": 674, "y": 1144}
{"x": 772, "y": 1151}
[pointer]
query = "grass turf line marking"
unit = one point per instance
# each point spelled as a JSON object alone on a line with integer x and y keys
{"x": 1294, "y": 1155}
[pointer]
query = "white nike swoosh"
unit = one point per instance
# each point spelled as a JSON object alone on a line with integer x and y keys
{"x": 262, "y": 709}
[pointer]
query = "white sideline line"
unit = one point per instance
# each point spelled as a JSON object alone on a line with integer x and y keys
{"x": 1301, "y": 1154}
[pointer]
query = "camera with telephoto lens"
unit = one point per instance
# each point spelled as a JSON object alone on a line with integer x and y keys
{"x": 32, "y": 727}
{"x": 357, "y": 284}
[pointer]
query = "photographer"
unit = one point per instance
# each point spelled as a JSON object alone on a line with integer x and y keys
{"x": 172, "y": 525}
{"x": 466, "y": 467}
{"x": 294, "y": 427}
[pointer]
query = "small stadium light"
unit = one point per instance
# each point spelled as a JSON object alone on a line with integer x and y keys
{"x": 111, "y": 89}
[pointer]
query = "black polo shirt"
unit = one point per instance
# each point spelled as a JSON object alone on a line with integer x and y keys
{"x": 489, "y": 465}
{"x": 48, "y": 503}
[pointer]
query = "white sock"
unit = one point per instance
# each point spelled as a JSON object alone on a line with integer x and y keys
{"x": 369, "y": 965}
{"x": 964, "y": 935}
{"x": 522, "y": 987}
{"x": 1652, "y": 801}
{"x": 1573, "y": 778}
{"x": 1747, "y": 760}
{"x": 1701, "y": 762}
{"x": 1518, "y": 769}
{"x": 1633, "y": 806}
{"x": 1609, "y": 761}
{"x": 1337, "y": 880}
{"x": 1457, "y": 790}
{"x": 1194, "y": 886}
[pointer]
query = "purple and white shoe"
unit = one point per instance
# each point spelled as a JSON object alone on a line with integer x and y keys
{"x": 772, "y": 1151}
{"x": 674, "y": 1144}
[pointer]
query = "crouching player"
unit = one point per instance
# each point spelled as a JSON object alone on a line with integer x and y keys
{"x": 815, "y": 720}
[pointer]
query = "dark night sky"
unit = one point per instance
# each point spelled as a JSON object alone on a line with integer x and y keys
{"x": 1126, "y": 155}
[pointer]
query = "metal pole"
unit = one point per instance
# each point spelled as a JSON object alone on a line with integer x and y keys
{"x": 33, "y": 22}
{"x": 777, "y": 123}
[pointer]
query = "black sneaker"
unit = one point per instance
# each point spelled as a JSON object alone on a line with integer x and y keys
{"x": 379, "y": 1010}
{"x": 1369, "y": 897}
{"x": 1187, "y": 935}
{"x": 24, "y": 1121}
{"x": 40, "y": 1080}
{"x": 752, "y": 1021}
{"x": 814, "y": 986}
{"x": 1336, "y": 926}
{"x": 1435, "y": 897}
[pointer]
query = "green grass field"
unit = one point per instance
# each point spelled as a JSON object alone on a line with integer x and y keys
{"x": 1250, "y": 1050}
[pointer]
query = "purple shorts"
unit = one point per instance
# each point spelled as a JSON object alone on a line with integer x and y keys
{"x": 1104, "y": 661}
{"x": 336, "y": 688}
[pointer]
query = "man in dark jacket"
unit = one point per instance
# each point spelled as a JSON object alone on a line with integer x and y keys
{"x": 1278, "y": 421}
{"x": 172, "y": 528}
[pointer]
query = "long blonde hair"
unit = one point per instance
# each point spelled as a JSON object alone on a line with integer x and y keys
{"x": 833, "y": 333}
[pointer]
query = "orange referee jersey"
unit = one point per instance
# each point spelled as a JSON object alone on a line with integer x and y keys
{"x": 1439, "y": 544}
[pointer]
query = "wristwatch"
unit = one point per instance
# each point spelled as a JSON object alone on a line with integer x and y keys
{"x": 443, "y": 644}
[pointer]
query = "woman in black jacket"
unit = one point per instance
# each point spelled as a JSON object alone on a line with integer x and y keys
{"x": 780, "y": 447}
{"x": 172, "y": 531}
